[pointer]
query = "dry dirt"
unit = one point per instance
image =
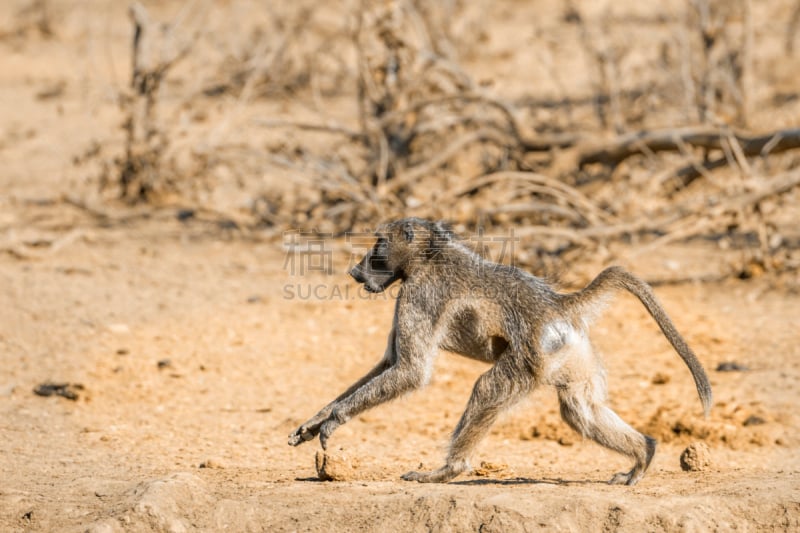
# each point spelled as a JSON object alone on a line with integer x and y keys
{"x": 194, "y": 351}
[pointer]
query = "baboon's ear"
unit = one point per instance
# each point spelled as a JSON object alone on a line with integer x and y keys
{"x": 408, "y": 231}
{"x": 445, "y": 228}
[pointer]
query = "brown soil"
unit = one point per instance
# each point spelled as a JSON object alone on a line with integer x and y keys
{"x": 201, "y": 442}
{"x": 193, "y": 352}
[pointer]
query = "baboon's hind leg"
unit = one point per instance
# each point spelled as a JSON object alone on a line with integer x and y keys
{"x": 497, "y": 389}
{"x": 583, "y": 407}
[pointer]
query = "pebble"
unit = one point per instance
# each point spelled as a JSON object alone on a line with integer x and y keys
{"x": 696, "y": 457}
{"x": 731, "y": 366}
{"x": 119, "y": 328}
{"x": 334, "y": 467}
{"x": 754, "y": 420}
{"x": 212, "y": 462}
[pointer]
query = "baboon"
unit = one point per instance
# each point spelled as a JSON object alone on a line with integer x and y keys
{"x": 453, "y": 299}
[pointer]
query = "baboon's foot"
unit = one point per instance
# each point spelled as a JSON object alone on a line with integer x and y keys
{"x": 442, "y": 475}
{"x": 626, "y": 478}
{"x": 633, "y": 477}
{"x": 629, "y": 478}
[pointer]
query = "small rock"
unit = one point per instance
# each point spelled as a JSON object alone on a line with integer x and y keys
{"x": 164, "y": 363}
{"x": 486, "y": 469}
{"x": 119, "y": 328}
{"x": 227, "y": 225}
{"x": 163, "y": 504}
{"x": 565, "y": 440}
{"x": 752, "y": 270}
{"x": 412, "y": 202}
{"x": 660, "y": 378}
{"x": 754, "y": 420}
{"x": 731, "y": 366}
{"x": 696, "y": 457}
{"x": 106, "y": 526}
{"x": 184, "y": 214}
{"x": 212, "y": 463}
{"x": 334, "y": 468}
{"x": 65, "y": 390}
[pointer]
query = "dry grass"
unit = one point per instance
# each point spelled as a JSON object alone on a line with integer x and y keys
{"x": 670, "y": 139}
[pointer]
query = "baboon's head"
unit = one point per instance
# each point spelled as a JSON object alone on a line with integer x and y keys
{"x": 402, "y": 247}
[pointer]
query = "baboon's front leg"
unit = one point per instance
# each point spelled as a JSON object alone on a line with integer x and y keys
{"x": 311, "y": 427}
{"x": 398, "y": 379}
{"x": 495, "y": 390}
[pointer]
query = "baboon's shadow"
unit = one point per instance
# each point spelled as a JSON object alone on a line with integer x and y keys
{"x": 527, "y": 481}
{"x": 502, "y": 482}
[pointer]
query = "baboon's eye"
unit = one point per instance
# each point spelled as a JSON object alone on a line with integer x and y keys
{"x": 408, "y": 231}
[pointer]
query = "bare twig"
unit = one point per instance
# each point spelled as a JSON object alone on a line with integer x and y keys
{"x": 739, "y": 154}
{"x": 43, "y": 247}
{"x": 590, "y": 211}
{"x": 616, "y": 151}
{"x": 791, "y": 28}
{"x": 539, "y": 144}
{"x": 334, "y": 128}
{"x": 746, "y": 79}
{"x": 442, "y": 157}
{"x": 718, "y": 217}
{"x": 530, "y": 207}
{"x": 145, "y": 142}
{"x": 694, "y": 170}
{"x": 680, "y": 223}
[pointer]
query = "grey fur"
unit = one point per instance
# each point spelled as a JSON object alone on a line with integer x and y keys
{"x": 453, "y": 299}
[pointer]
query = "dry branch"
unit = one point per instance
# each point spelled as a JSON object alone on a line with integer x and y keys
{"x": 417, "y": 172}
{"x": 335, "y": 129}
{"x": 698, "y": 223}
{"x": 145, "y": 141}
{"x": 41, "y": 246}
{"x": 791, "y": 29}
{"x": 418, "y": 115}
{"x": 683, "y": 222}
{"x": 558, "y": 189}
{"x": 532, "y": 207}
{"x": 539, "y": 143}
{"x": 616, "y": 151}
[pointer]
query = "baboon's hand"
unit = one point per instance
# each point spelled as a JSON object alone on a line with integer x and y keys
{"x": 305, "y": 433}
{"x": 327, "y": 429}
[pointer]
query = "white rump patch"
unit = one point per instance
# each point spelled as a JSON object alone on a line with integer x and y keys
{"x": 567, "y": 352}
{"x": 556, "y": 335}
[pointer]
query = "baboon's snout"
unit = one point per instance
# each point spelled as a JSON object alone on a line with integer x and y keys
{"x": 357, "y": 272}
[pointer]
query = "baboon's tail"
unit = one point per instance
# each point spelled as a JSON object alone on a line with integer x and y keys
{"x": 618, "y": 278}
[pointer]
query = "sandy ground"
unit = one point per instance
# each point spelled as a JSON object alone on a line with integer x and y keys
{"x": 242, "y": 366}
{"x": 195, "y": 350}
